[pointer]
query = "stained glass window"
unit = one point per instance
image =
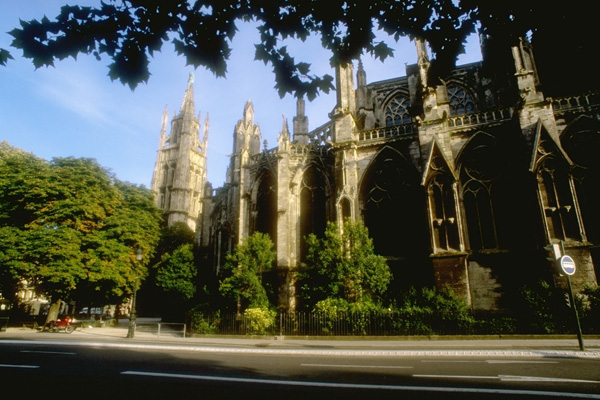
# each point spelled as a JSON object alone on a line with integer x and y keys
{"x": 396, "y": 112}
{"x": 461, "y": 101}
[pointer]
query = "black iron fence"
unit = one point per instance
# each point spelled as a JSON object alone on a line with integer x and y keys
{"x": 350, "y": 324}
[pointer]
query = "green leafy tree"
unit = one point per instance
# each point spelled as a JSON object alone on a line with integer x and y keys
{"x": 112, "y": 267}
{"x": 69, "y": 200}
{"x": 175, "y": 282}
{"x": 130, "y": 32}
{"x": 244, "y": 269}
{"x": 343, "y": 265}
{"x": 152, "y": 299}
{"x": 22, "y": 188}
{"x": 71, "y": 229}
{"x": 173, "y": 236}
{"x": 176, "y": 273}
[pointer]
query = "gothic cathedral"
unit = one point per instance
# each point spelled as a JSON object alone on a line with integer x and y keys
{"x": 461, "y": 183}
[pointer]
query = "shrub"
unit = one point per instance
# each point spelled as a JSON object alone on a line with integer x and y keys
{"x": 332, "y": 306}
{"x": 433, "y": 311}
{"x": 204, "y": 323}
{"x": 258, "y": 320}
{"x": 490, "y": 322}
{"x": 590, "y": 310}
{"x": 340, "y": 316}
{"x": 544, "y": 309}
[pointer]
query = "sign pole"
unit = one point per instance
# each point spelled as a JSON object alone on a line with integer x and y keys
{"x": 568, "y": 272}
{"x": 574, "y": 306}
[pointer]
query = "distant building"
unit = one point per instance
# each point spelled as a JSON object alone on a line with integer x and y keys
{"x": 461, "y": 183}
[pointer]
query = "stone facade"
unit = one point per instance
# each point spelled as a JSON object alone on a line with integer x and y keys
{"x": 179, "y": 177}
{"x": 460, "y": 183}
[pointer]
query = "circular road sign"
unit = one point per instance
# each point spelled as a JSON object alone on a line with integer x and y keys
{"x": 568, "y": 265}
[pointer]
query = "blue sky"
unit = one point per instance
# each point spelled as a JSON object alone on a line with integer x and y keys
{"x": 74, "y": 109}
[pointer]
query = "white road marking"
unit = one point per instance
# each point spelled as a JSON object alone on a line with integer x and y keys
{"x": 508, "y": 378}
{"x": 519, "y": 362}
{"x": 456, "y": 376}
{"x": 511, "y": 378}
{"x": 18, "y": 366}
{"x": 334, "y": 352}
{"x": 508, "y": 392}
{"x": 490, "y": 361}
{"x": 356, "y": 366}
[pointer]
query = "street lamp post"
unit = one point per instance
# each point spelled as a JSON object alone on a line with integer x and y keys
{"x": 133, "y": 313}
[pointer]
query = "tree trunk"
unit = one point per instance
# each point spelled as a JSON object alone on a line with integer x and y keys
{"x": 117, "y": 313}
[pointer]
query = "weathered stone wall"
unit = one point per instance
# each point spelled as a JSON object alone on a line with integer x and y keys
{"x": 484, "y": 286}
{"x": 508, "y": 108}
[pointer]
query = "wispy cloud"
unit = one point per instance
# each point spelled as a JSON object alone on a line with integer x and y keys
{"x": 83, "y": 94}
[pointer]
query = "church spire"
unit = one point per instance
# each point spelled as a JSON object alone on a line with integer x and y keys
{"x": 361, "y": 75}
{"x": 300, "y": 123}
{"x": 284, "y": 136}
{"x": 285, "y": 132}
{"x": 163, "y": 129}
{"x": 180, "y": 176}
{"x": 248, "y": 113}
{"x": 205, "y": 135}
{"x": 187, "y": 105}
{"x": 361, "y": 90}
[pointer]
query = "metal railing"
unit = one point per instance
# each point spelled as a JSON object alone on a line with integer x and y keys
{"x": 348, "y": 324}
{"x": 162, "y": 328}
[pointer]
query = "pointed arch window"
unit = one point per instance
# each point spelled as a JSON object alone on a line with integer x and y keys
{"x": 556, "y": 194}
{"x": 394, "y": 206}
{"x": 345, "y": 208}
{"x": 443, "y": 213}
{"x": 171, "y": 174}
{"x": 461, "y": 101}
{"x": 488, "y": 194}
{"x": 397, "y": 111}
{"x": 161, "y": 198}
{"x": 581, "y": 141}
{"x": 313, "y": 212}
{"x": 557, "y": 200}
{"x": 265, "y": 217}
{"x": 480, "y": 216}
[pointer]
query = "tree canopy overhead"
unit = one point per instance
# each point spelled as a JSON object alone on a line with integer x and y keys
{"x": 128, "y": 32}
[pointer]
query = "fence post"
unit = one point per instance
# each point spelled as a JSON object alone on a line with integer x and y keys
{"x": 159, "y": 329}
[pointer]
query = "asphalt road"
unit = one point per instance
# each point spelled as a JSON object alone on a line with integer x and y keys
{"x": 137, "y": 370}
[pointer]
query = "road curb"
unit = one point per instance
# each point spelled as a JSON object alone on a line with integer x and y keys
{"x": 323, "y": 352}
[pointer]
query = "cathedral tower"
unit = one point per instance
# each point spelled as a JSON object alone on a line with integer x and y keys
{"x": 180, "y": 170}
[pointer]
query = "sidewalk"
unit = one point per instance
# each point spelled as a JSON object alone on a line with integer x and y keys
{"x": 456, "y": 343}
